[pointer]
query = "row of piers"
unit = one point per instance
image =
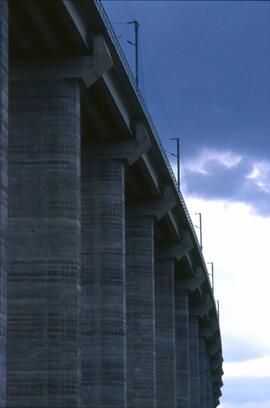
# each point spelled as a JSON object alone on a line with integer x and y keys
{"x": 105, "y": 300}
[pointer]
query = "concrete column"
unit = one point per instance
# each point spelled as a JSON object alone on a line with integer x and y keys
{"x": 210, "y": 388}
{"x": 202, "y": 372}
{"x": 182, "y": 346}
{"x": 141, "y": 372}
{"x": 165, "y": 332}
{"x": 209, "y": 393}
{"x": 103, "y": 324}
{"x": 3, "y": 191}
{"x": 194, "y": 362}
{"x": 44, "y": 245}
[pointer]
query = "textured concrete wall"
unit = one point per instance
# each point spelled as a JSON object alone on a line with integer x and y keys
{"x": 44, "y": 245}
{"x": 165, "y": 332}
{"x": 208, "y": 385}
{"x": 103, "y": 284}
{"x": 182, "y": 346}
{"x": 3, "y": 191}
{"x": 141, "y": 381}
{"x": 202, "y": 373}
{"x": 194, "y": 362}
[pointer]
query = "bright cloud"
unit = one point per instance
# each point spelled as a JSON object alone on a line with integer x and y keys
{"x": 225, "y": 175}
{"x": 237, "y": 241}
{"x": 260, "y": 175}
{"x": 225, "y": 158}
{"x": 248, "y": 405}
{"x": 252, "y": 368}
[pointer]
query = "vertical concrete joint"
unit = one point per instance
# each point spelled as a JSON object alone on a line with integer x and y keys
{"x": 3, "y": 192}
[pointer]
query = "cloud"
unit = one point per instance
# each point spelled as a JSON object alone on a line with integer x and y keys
{"x": 256, "y": 368}
{"x": 224, "y": 175}
{"x": 237, "y": 241}
{"x": 248, "y": 405}
{"x": 239, "y": 348}
{"x": 246, "y": 393}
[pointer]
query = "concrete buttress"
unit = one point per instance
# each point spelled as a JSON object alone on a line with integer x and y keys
{"x": 209, "y": 387}
{"x": 43, "y": 367}
{"x": 103, "y": 321}
{"x": 141, "y": 370}
{"x": 165, "y": 332}
{"x": 194, "y": 362}
{"x": 202, "y": 371}
{"x": 182, "y": 345}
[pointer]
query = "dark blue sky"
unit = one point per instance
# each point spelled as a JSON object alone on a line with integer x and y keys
{"x": 211, "y": 61}
{"x": 205, "y": 76}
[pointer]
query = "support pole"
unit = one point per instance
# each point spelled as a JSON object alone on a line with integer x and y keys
{"x": 177, "y": 155}
{"x": 136, "y": 27}
{"x": 200, "y": 227}
{"x": 136, "y": 45}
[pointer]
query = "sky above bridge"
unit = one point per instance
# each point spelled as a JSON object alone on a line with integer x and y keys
{"x": 205, "y": 76}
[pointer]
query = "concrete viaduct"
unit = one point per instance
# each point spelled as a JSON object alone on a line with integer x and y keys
{"x": 105, "y": 300}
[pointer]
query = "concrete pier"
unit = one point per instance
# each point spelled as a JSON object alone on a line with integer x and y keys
{"x": 202, "y": 371}
{"x": 194, "y": 362}
{"x": 103, "y": 322}
{"x": 141, "y": 365}
{"x": 3, "y": 192}
{"x": 208, "y": 385}
{"x": 182, "y": 345}
{"x": 43, "y": 368}
{"x": 165, "y": 332}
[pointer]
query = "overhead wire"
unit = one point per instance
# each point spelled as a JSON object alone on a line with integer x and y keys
{"x": 128, "y": 7}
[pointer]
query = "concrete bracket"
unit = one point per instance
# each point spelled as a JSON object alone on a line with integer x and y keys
{"x": 218, "y": 393}
{"x": 191, "y": 284}
{"x": 141, "y": 145}
{"x": 177, "y": 250}
{"x": 216, "y": 402}
{"x": 130, "y": 150}
{"x": 155, "y": 208}
{"x": 210, "y": 330}
{"x": 217, "y": 380}
{"x": 215, "y": 364}
{"x": 202, "y": 309}
{"x": 86, "y": 68}
{"x": 213, "y": 349}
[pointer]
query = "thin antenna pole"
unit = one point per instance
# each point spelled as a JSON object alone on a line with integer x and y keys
{"x": 136, "y": 26}
{"x": 200, "y": 227}
{"x": 218, "y": 309}
{"x": 177, "y": 155}
{"x": 212, "y": 275}
{"x": 178, "y": 162}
